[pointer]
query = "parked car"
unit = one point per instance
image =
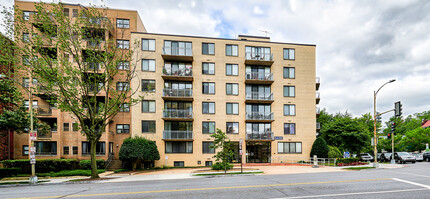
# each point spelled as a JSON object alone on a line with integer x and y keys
{"x": 386, "y": 157}
{"x": 379, "y": 157}
{"x": 365, "y": 157}
{"x": 426, "y": 156}
{"x": 403, "y": 157}
{"x": 418, "y": 156}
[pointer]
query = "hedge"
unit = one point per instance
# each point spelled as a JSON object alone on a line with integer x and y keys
{"x": 9, "y": 172}
{"x": 347, "y": 160}
{"x": 43, "y": 165}
{"x": 86, "y": 164}
{"x": 219, "y": 166}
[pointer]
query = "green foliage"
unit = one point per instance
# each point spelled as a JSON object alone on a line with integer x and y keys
{"x": 121, "y": 170}
{"x": 9, "y": 172}
{"x": 334, "y": 152}
{"x": 78, "y": 172}
{"x": 137, "y": 150}
{"x": 222, "y": 166}
{"x": 320, "y": 148}
{"x": 86, "y": 164}
{"x": 13, "y": 115}
{"x": 347, "y": 160}
{"x": 225, "y": 152}
{"x": 43, "y": 166}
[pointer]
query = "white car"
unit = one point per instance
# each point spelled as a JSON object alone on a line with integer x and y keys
{"x": 418, "y": 156}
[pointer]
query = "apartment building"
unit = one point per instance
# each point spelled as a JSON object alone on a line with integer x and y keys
{"x": 261, "y": 93}
{"x": 64, "y": 139}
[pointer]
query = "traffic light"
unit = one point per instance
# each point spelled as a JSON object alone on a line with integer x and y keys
{"x": 378, "y": 118}
{"x": 398, "y": 109}
{"x": 389, "y": 135}
{"x": 393, "y": 127}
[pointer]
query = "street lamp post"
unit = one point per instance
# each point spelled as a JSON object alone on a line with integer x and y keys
{"x": 375, "y": 161}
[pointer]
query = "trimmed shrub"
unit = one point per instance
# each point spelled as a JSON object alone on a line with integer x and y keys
{"x": 43, "y": 165}
{"x": 137, "y": 150}
{"x": 334, "y": 152}
{"x": 320, "y": 148}
{"x": 86, "y": 164}
{"x": 347, "y": 160}
{"x": 78, "y": 172}
{"x": 219, "y": 166}
{"x": 9, "y": 172}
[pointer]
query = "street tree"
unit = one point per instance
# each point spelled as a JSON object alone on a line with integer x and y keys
{"x": 75, "y": 61}
{"x": 137, "y": 150}
{"x": 224, "y": 146}
{"x": 320, "y": 148}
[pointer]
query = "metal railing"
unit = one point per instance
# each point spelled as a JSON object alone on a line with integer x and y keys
{"x": 305, "y": 160}
{"x": 317, "y": 95}
{"x": 178, "y": 51}
{"x": 258, "y": 96}
{"x": 260, "y": 136}
{"x": 97, "y": 153}
{"x": 170, "y": 92}
{"x": 177, "y": 113}
{"x": 258, "y": 76}
{"x": 318, "y": 125}
{"x": 317, "y": 80}
{"x": 44, "y": 110}
{"x": 180, "y": 135}
{"x": 318, "y": 110}
{"x": 179, "y": 72}
{"x": 46, "y": 153}
{"x": 109, "y": 160}
{"x": 259, "y": 115}
{"x": 259, "y": 56}
{"x": 45, "y": 135}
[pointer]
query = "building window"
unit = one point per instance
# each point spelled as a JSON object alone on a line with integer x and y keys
{"x": 24, "y": 150}
{"x": 208, "y": 68}
{"x": 179, "y": 147}
{"x": 289, "y": 91}
{"x": 208, "y": 88}
{"x": 148, "y": 65}
{"x": 27, "y": 104}
{"x": 25, "y": 37}
{"x": 123, "y": 65}
{"x": 123, "y": 44}
{"x": 122, "y": 23}
{"x": 148, "y": 44}
{"x": 100, "y": 148}
{"x": 66, "y": 150}
{"x": 26, "y": 15}
{"x": 206, "y": 146}
{"x": 208, "y": 107}
{"x": 121, "y": 86}
{"x": 232, "y": 127}
{"x": 258, "y": 53}
{"x": 66, "y": 127}
{"x": 178, "y": 164}
{"x": 232, "y": 70}
{"x": 148, "y": 106}
{"x": 148, "y": 85}
{"x": 232, "y": 108}
{"x": 289, "y": 147}
{"x": 289, "y": 128}
{"x": 178, "y": 48}
{"x": 46, "y": 148}
{"x": 208, "y": 127}
{"x": 26, "y": 82}
{"x": 231, "y": 50}
{"x": 75, "y": 150}
{"x": 208, "y": 163}
{"x": 124, "y": 107}
{"x": 122, "y": 128}
{"x": 75, "y": 126}
{"x": 289, "y": 53}
{"x": 66, "y": 12}
{"x": 232, "y": 89}
{"x": 258, "y": 128}
{"x": 289, "y": 109}
{"x": 208, "y": 48}
{"x": 148, "y": 126}
{"x": 289, "y": 73}
{"x": 75, "y": 13}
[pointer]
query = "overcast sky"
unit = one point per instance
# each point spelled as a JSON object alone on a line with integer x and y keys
{"x": 360, "y": 44}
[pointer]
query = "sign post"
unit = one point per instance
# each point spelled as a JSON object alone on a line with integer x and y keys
{"x": 241, "y": 153}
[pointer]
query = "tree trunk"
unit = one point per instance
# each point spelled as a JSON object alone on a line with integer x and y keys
{"x": 134, "y": 165}
{"x": 94, "y": 172}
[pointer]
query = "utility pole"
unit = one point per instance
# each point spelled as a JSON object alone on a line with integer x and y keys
{"x": 31, "y": 148}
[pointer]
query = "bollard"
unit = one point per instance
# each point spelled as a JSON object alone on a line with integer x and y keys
{"x": 315, "y": 162}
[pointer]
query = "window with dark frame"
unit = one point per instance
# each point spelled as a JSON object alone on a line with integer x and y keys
{"x": 66, "y": 127}
{"x": 24, "y": 150}
{"x": 208, "y": 68}
{"x": 232, "y": 89}
{"x": 148, "y": 106}
{"x": 66, "y": 150}
{"x": 208, "y": 127}
{"x": 123, "y": 23}
{"x": 231, "y": 70}
{"x": 148, "y": 126}
{"x": 232, "y": 108}
{"x": 178, "y": 164}
{"x": 148, "y": 44}
{"x": 74, "y": 12}
{"x": 75, "y": 150}
{"x": 208, "y": 48}
{"x": 123, "y": 128}
{"x": 123, "y": 44}
{"x": 289, "y": 54}
{"x": 289, "y": 109}
{"x": 148, "y": 65}
{"x": 66, "y": 12}
{"x": 231, "y": 50}
{"x": 289, "y": 128}
{"x": 289, "y": 73}
{"x": 122, "y": 86}
{"x": 208, "y": 163}
{"x": 206, "y": 147}
{"x": 75, "y": 126}
{"x": 124, "y": 107}
{"x": 148, "y": 85}
{"x": 232, "y": 127}
{"x": 289, "y": 91}
{"x": 123, "y": 65}
{"x": 289, "y": 147}
{"x": 100, "y": 148}
{"x": 208, "y": 88}
{"x": 208, "y": 107}
{"x": 178, "y": 147}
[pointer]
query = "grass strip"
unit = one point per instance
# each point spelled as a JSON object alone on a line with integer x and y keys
{"x": 358, "y": 168}
{"x": 233, "y": 173}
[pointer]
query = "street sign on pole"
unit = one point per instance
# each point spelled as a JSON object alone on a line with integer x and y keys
{"x": 32, "y": 161}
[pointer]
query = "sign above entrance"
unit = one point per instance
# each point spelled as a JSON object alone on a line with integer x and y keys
{"x": 279, "y": 137}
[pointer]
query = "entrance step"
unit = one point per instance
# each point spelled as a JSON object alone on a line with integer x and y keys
{"x": 114, "y": 165}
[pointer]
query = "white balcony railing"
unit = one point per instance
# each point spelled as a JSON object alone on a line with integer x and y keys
{"x": 259, "y": 76}
{"x": 259, "y": 116}
{"x": 260, "y": 136}
{"x": 259, "y": 56}
{"x": 318, "y": 110}
{"x": 178, "y": 72}
{"x": 317, "y": 95}
{"x": 179, "y": 51}
{"x": 170, "y": 92}
{"x": 258, "y": 96}
{"x": 317, "y": 80}
{"x": 175, "y": 113}
{"x": 177, "y": 135}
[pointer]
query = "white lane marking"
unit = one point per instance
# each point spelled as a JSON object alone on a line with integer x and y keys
{"x": 356, "y": 193}
{"x": 413, "y": 174}
{"x": 414, "y": 183}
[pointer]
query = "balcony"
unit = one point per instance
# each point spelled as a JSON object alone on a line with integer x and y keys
{"x": 317, "y": 97}
{"x": 177, "y": 54}
{"x": 44, "y": 136}
{"x": 318, "y": 126}
{"x": 260, "y": 136}
{"x": 257, "y": 97}
{"x": 318, "y": 111}
{"x": 178, "y": 94}
{"x": 177, "y": 115}
{"x": 177, "y": 135}
{"x": 258, "y": 78}
{"x": 317, "y": 83}
{"x": 178, "y": 75}
{"x": 260, "y": 59}
{"x": 44, "y": 110}
{"x": 259, "y": 117}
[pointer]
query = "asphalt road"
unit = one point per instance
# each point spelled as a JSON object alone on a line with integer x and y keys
{"x": 412, "y": 181}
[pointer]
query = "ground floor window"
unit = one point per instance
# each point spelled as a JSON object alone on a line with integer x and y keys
{"x": 258, "y": 152}
{"x": 75, "y": 150}
{"x": 66, "y": 150}
{"x": 207, "y": 147}
{"x": 24, "y": 150}
{"x": 179, "y": 147}
{"x": 178, "y": 163}
{"x": 289, "y": 147}
{"x": 208, "y": 163}
{"x": 100, "y": 148}
{"x": 46, "y": 148}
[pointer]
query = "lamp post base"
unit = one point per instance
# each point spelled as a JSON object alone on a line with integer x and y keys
{"x": 392, "y": 162}
{"x": 375, "y": 164}
{"x": 33, "y": 179}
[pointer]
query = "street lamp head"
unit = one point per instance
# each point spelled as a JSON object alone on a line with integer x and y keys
{"x": 393, "y": 80}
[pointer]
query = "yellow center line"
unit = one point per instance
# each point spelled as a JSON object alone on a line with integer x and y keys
{"x": 208, "y": 188}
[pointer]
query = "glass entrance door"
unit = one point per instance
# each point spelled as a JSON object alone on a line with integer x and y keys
{"x": 258, "y": 152}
